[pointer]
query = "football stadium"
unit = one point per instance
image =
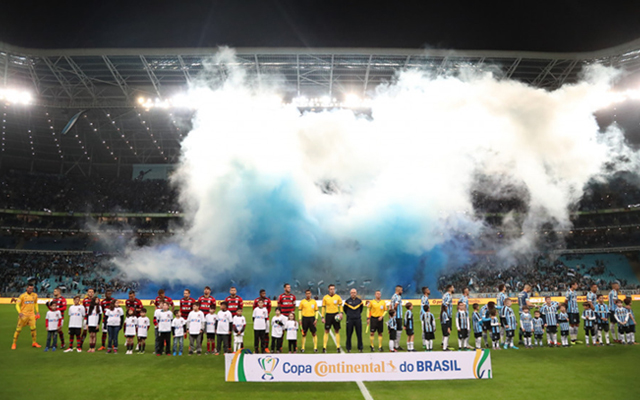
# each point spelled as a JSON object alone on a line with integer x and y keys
{"x": 347, "y": 221}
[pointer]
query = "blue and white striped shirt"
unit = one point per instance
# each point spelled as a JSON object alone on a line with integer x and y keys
{"x": 563, "y": 319}
{"x": 522, "y": 299}
{"x": 444, "y": 318}
{"x": 538, "y": 326}
{"x": 592, "y": 297}
{"x": 622, "y": 316}
{"x": 495, "y": 325}
{"x": 477, "y": 321}
{"x": 484, "y": 313}
{"x": 408, "y": 319}
{"x": 462, "y": 320}
{"x": 391, "y": 323}
{"x": 424, "y": 300}
{"x": 428, "y": 322}
{"x": 589, "y": 318}
{"x": 631, "y": 314}
{"x": 526, "y": 320}
{"x": 447, "y": 300}
{"x": 572, "y": 302}
{"x": 500, "y": 300}
{"x": 613, "y": 296}
{"x": 549, "y": 313}
{"x": 510, "y": 318}
{"x": 602, "y": 313}
{"x": 396, "y": 300}
{"x": 465, "y": 300}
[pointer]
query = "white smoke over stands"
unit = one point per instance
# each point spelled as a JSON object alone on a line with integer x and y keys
{"x": 273, "y": 195}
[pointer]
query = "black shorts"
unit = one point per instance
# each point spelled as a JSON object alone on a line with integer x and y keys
{"x": 623, "y": 329}
{"x": 604, "y": 327}
{"x": 376, "y": 326}
{"x": 495, "y": 336}
{"x": 477, "y": 334}
{"x": 552, "y": 329}
{"x": 428, "y": 335}
{"x": 463, "y": 333}
{"x": 564, "y": 333}
{"x": 94, "y": 329}
{"x": 631, "y": 329}
{"x": 574, "y": 318}
{"x": 399, "y": 324}
{"x": 308, "y": 325}
{"x": 589, "y": 330}
{"x": 445, "y": 328}
{"x": 129, "y": 336}
{"x": 612, "y": 317}
{"x": 510, "y": 333}
{"x": 392, "y": 334}
{"x": 75, "y": 331}
{"x": 211, "y": 336}
{"x": 410, "y": 332}
{"x": 527, "y": 334}
{"x": 330, "y": 321}
{"x": 486, "y": 326}
{"x": 538, "y": 336}
{"x": 145, "y": 338}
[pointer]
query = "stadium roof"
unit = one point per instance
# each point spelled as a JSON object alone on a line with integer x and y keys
{"x": 115, "y": 131}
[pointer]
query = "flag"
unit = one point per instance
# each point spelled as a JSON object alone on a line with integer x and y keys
{"x": 72, "y": 122}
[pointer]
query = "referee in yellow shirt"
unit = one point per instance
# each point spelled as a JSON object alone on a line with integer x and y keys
{"x": 27, "y": 307}
{"x": 375, "y": 319}
{"x": 331, "y": 308}
{"x": 308, "y": 314}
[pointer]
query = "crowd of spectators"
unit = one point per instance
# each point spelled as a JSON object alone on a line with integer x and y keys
{"x": 544, "y": 273}
{"x": 71, "y": 272}
{"x": 66, "y": 193}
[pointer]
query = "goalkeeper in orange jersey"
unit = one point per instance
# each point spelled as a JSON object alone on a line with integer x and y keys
{"x": 27, "y": 307}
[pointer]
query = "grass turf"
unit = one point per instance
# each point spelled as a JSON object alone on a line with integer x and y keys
{"x": 575, "y": 373}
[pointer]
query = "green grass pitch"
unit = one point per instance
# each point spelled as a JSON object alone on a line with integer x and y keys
{"x": 559, "y": 373}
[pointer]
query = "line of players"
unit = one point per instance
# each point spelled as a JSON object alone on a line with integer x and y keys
{"x": 495, "y": 318}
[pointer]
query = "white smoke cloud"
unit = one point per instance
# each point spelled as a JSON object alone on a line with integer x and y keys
{"x": 401, "y": 179}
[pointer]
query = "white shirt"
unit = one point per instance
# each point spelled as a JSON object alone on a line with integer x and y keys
{"x": 113, "y": 316}
{"x": 211, "y": 320}
{"x": 156, "y": 315}
{"x": 178, "y": 326}
{"x": 277, "y": 329}
{"x": 292, "y": 329}
{"x": 94, "y": 317}
{"x": 76, "y": 316}
{"x": 224, "y": 319}
{"x": 164, "y": 321}
{"x": 195, "y": 322}
{"x": 130, "y": 325}
{"x": 239, "y": 322}
{"x": 143, "y": 326}
{"x": 260, "y": 319}
{"x": 53, "y": 318}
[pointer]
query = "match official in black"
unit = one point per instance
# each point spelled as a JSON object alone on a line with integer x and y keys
{"x": 353, "y": 308}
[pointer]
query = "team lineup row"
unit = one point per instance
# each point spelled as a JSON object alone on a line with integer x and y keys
{"x": 198, "y": 319}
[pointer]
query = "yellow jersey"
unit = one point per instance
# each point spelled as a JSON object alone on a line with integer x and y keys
{"x": 309, "y": 308}
{"x": 377, "y": 308}
{"x": 27, "y": 304}
{"x": 332, "y": 304}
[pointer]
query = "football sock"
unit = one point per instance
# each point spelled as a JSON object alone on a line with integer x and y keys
{"x": 33, "y": 336}
{"x": 445, "y": 342}
{"x": 586, "y": 338}
{"x": 338, "y": 339}
{"x": 62, "y": 338}
{"x": 15, "y": 336}
{"x": 391, "y": 345}
{"x": 502, "y": 335}
{"x": 325, "y": 339}
{"x": 410, "y": 345}
{"x": 485, "y": 338}
{"x": 478, "y": 343}
{"x": 380, "y": 341}
{"x": 304, "y": 341}
{"x": 104, "y": 338}
{"x": 424, "y": 343}
{"x": 315, "y": 342}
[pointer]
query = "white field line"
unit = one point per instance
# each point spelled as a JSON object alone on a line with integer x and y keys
{"x": 361, "y": 386}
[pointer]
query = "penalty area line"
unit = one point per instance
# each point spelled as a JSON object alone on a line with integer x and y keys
{"x": 361, "y": 386}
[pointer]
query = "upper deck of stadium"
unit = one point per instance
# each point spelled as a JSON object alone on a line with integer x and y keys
{"x": 118, "y": 131}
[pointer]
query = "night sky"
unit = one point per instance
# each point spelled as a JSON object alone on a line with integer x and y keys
{"x": 536, "y": 26}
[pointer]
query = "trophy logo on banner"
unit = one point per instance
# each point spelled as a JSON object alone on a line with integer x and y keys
{"x": 268, "y": 365}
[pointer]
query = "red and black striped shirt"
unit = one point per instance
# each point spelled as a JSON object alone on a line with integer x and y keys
{"x": 287, "y": 303}
{"x": 234, "y": 304}
{"x": 186, "y": 305}
{"x": 267, "y": 303}
{"x": 105, "y": 304}
{"x": 136, "y": 304}
{"x": 207, "y": 304}
{"x": 61, "y": 302}
{"x": 166, "y": 299}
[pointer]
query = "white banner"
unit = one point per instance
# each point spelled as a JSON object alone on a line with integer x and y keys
{"x": 243, "y": 366}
